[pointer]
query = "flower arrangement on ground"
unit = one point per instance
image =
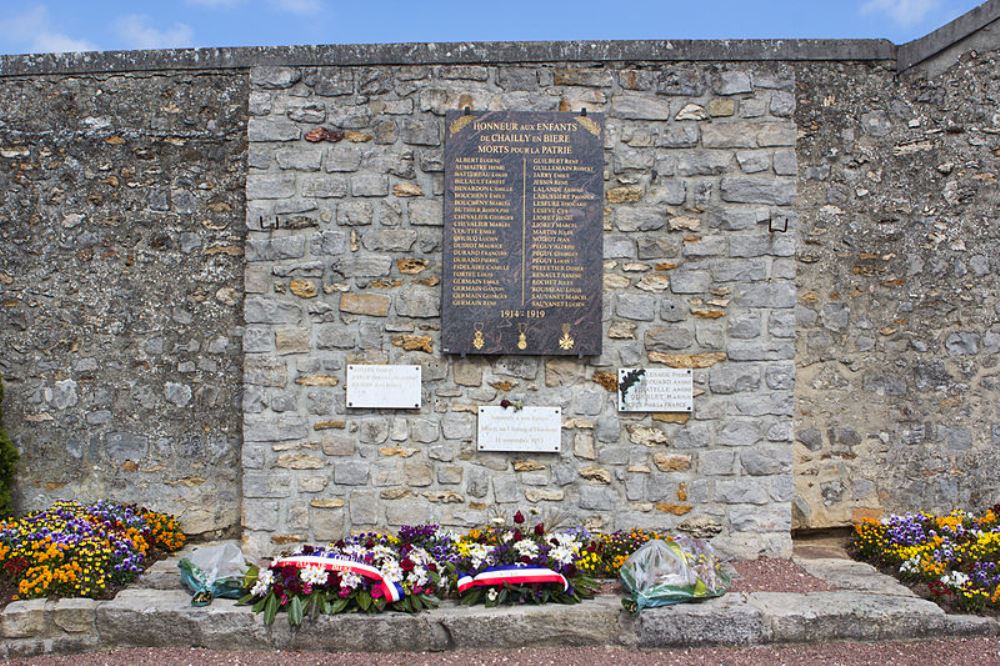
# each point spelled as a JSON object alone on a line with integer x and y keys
{"x": 367, "y": 572}
{"x": 604, "y": 556}
{"x": 73, "y": 550}
{"x": 957, "y": 556}
{"x": 522, "y": 564}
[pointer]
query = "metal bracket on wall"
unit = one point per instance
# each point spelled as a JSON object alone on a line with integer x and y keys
{"x": 778, "y": 223}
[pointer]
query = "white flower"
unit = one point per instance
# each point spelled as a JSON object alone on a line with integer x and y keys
{"x": 492, "y": 594}
{"x": 911, "y": 565}
{"x": 350, "y": 580}
{"x": 418, "y": 576}
{"x": 508, "y": 536}
{"x": 354, "y": 551}
{"x": 314, "y": 575}
{"x": 562, "y": 554}
{"x": 263, "y": 584}
{"x": 381, "y": 552}
{"x": 526, "y": 548}
{"x": 567, "y": 539}
{"x": 480, "y": 555}
{"x": 391, "y": 571}
{"x": 954, "y": 579}
{"x": 420, "y": 556}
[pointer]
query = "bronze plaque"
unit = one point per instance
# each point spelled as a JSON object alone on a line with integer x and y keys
{"x": 523, "y": 245}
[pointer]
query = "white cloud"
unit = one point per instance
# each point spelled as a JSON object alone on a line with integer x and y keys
{"x": 33, "y": 31}
{"x": 136, "y": 33}
{"x": 298, "y": 6}
{"x": 903, "y": 12}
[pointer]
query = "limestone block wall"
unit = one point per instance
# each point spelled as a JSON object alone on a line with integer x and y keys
{"x": 121, "y": 269}
{"x": 898, "y": 310}
{"x": 343, "y": 266}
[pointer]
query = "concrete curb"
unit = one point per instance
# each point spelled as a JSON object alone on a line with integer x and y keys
{"x": 870, "y": 607}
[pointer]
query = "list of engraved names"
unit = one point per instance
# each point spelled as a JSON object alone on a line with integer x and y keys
{"x": 523, "y": 206}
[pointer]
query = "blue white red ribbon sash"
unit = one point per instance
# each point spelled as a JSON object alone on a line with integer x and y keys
{"x": 392, "y": 590}
{"x": 512, "y": 575}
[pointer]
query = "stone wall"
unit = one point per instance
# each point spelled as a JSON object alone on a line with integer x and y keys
{"x": 343, "y": 265}
{"x": 162, "y": 230}
{"x": 121, "y": 265}
{"x": 897, "y": 373}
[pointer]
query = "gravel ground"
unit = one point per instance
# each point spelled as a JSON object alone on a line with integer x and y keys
{"x": 981, "y": 651}
{"x": 766, "y": 575}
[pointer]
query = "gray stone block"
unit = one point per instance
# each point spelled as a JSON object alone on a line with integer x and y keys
{"x": 639, "y": 107}
{"x": 728, "y": 620}
{"x": 758, "y": 189}
{"x": 639, "y": 307}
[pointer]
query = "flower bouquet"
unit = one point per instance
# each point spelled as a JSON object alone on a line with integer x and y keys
{"x": 366, "y": 573}
{"x": 504, "y": 564}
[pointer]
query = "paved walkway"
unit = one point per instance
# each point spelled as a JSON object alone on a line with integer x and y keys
{"x": 866, "y": 606}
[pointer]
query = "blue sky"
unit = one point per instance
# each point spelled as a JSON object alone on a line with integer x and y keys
{"x": 74, "y": 25}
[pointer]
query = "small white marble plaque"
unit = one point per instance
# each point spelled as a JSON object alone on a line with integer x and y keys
{"x": 383, "y": 386}
{"x": 527, "y": 429}
{"x": 655, "y": 390}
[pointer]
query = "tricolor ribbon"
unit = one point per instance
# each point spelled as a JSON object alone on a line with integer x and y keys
{"x": 393, "y": 591}
{"x": 511, "y": 574}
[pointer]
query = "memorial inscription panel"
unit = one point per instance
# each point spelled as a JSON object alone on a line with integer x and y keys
{"x": 655, "y": 390}
{"x": 384, "y": 386}
{"x": 529, "y": 429}
{"x": 523, "y": 247}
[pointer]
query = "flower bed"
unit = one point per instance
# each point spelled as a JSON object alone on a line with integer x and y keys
{"x": 954, "y": 559}
{"x": 72, "y": 550}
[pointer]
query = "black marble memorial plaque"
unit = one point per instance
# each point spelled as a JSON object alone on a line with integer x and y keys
{"x": 524, "y": 200}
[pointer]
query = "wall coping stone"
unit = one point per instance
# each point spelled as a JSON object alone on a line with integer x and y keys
{"x": 449, "y": 53}
{"x": 906, "y": 56}
{"x": 913, "y": 53}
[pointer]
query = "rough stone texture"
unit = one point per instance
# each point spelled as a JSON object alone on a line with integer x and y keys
{"x": 121, "y": 269}
{"x": 898, "y": 340}
{"x": 687, "y": 249}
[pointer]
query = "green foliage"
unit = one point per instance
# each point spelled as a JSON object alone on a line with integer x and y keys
{"x": 8, "y": 463}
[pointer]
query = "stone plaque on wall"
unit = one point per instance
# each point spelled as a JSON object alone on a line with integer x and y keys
{"x": 537, "y": 429}
{"x": 655, "y": 390}
{"x": 383, "y": 386}
{"x": 523, "y": 249}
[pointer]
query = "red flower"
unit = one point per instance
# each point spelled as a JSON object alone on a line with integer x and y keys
{"x": 540, "y": 529}
{"x": 406, "y": 564}
{"x": 505, "y": 403}
{"x": 517, "y": 536}
{"x": 432, "y": 567}
{"x": 525, "y": 559}
{"x": 376, "y": 592}
{"x": 518, "y": 517}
